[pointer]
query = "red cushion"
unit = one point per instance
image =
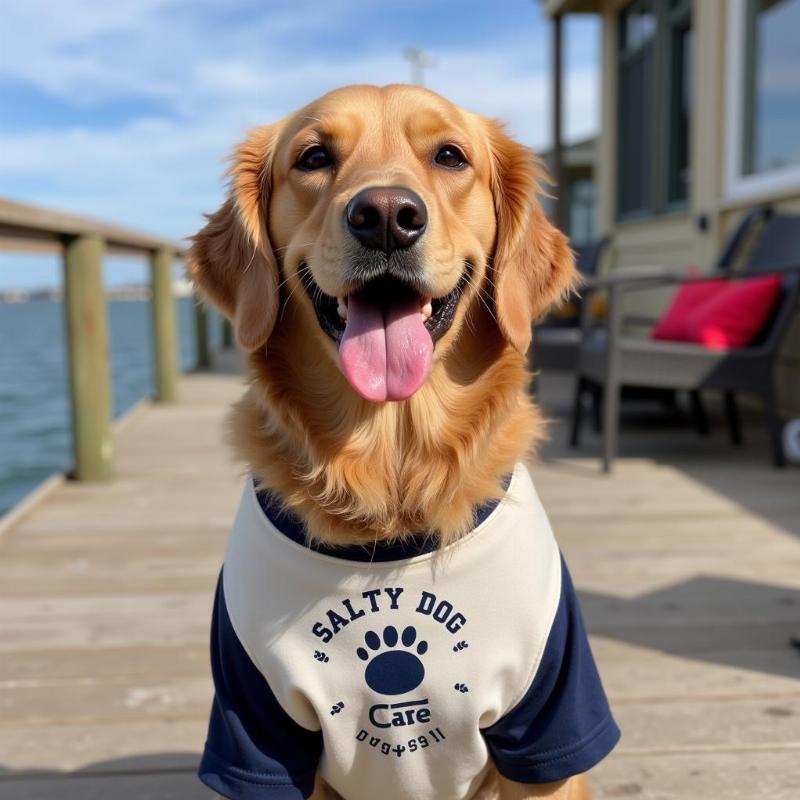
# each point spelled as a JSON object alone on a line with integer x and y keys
{"x": 690, "y": 296}
{"x": 735, "y": 314}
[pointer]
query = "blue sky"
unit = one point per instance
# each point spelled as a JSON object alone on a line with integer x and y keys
{"x": 126, "y": 110}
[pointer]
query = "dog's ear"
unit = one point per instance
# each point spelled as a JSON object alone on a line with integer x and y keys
{"x": 231, "y": 258}
{"x": 533, "y": 266}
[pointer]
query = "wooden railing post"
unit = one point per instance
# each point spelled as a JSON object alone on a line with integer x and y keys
{"x": 87, "y": 347}
{"x": 201, "y": 334}
{"x": 227, "y": 333}
{"x": 165, "y": 331}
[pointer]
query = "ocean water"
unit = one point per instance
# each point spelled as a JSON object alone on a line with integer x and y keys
{"x": 35, "y": 435}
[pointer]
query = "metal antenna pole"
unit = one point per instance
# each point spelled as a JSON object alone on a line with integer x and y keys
{"x": 420, "y": 61}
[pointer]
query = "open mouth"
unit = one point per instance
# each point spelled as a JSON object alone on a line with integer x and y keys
{"x": 385, "y": 331}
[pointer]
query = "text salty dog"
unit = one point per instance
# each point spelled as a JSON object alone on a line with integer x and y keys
{"x": 389, "y": 598}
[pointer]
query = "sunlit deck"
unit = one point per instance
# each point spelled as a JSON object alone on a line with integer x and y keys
{"x": 689, "y": 568}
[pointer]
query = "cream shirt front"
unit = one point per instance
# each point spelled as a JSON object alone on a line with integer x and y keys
{"x": 452, "y": 641}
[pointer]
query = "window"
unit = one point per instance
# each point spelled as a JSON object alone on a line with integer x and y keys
{"x": 680, "y": 109}
{"x": 772, "y": 90}
{"x": 636, "y": 102}
{"x": 581, "y": 210}
{"x": 763, "y": 147}
{"x": 655, "y": 67}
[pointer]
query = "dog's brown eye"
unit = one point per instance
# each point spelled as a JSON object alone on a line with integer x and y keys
{"x": 316, "y": 157}
{"x": 451, "y": 157}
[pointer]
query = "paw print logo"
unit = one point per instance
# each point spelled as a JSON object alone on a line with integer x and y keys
{"x": 391, "y": 670}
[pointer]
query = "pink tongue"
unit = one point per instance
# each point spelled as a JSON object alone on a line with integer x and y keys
{"x": 385, "y": 359}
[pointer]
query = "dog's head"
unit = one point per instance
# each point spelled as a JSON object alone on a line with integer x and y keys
{"x": 383, "y": 215}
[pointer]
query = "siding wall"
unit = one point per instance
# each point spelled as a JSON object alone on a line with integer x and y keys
{"x": 676, "y": 240}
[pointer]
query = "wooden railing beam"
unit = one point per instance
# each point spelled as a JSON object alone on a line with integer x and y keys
{"x": 23, "y": 221}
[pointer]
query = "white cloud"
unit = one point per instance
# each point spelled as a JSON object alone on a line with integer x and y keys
{"x": 161, "y": 172}
{"x": 62, "y": 47}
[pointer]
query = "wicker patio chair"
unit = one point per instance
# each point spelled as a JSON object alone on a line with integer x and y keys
{"x": 610, "y": 360}
{"x": 556, "y": 343}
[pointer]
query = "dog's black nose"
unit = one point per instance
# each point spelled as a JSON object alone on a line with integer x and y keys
{"x": 387, "y": 217}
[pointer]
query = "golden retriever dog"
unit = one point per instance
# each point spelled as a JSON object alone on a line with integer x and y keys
{"x": 382, "y": 256}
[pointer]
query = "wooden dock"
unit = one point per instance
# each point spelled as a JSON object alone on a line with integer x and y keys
{"x": 689, "y": 568}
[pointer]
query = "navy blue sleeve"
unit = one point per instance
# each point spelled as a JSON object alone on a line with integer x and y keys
{"x": 562, "y": 726}
{"x": 254, "y": 749}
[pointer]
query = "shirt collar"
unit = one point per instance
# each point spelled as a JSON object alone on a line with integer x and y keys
{"x": 289, "y": 524}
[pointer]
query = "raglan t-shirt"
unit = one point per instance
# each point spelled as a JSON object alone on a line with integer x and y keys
{"x": 399, "y": 672}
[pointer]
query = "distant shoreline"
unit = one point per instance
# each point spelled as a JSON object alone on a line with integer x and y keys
{"x": 135, "y": 293}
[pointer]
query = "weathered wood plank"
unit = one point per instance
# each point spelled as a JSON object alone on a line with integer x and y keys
{"x": 45, "y": 703}
{"x": 63, "y": 748}
{"x": 166, "y": 785}
{"x": 108, "y": 621}
{"x": 105, "y": 664}
{"x": 738, "y": 774}
{"x": 708, "y": 725}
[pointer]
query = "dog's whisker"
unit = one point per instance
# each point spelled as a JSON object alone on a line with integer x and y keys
{"x": 300, "y": 272}
{"x": 284, "y": 282}
{"x": 486, "y": 298}
{"x": 286, "y": 302}
{"x": 483, "y": 296}
{"x": 252, "y": 259}
{"x": 293, "y": 244}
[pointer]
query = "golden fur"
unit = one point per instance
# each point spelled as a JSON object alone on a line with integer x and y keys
{"x": 353, "y": 470}
{"x": 357, "y": 471}
{"x": 496, "y": 786}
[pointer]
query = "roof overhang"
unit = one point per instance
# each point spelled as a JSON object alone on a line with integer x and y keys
{"x": 556, "y": 7}
{"x": 575, "y": 155}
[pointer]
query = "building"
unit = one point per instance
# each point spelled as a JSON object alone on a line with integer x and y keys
{"x": 577, "y": 180}
{"x": 700, "y": 120}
